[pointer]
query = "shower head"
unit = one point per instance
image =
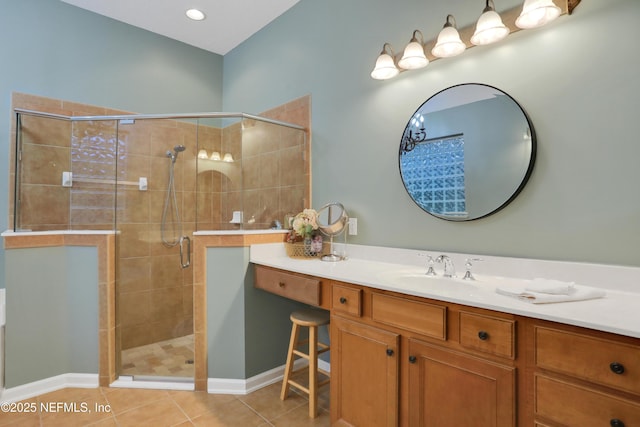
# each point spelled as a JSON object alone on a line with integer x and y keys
{"x": 176, "y": 150}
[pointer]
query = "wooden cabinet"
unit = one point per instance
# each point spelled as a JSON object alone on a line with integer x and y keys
{"x": 289, "y": 285}
{"x": 402, "y": 360}
{"x": 346, "y": 300}
{"x": 364, "y": 375}
{"x": 449, "y": 388}
{"x": 585, "y": 378}
{"x": 444, "y": 382}
{"x": 487, "y": 334}
{"x": 571, "y": 404}
{"x": 417, "y": 316}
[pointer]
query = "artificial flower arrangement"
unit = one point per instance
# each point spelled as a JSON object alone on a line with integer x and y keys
{"x": 305, "y": 225}
{"x": 305, "y": 229}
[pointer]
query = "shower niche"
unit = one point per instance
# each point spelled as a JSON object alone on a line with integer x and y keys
{"x": 154, "y": 180}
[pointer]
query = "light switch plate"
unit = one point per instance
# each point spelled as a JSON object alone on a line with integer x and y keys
{"x": 353, "y": 226}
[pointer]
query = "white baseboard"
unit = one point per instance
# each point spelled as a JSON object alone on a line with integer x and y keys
{"x": 26, "y": 391}
{"x": 214, "y": 385}
{"x": 242, "y": 387}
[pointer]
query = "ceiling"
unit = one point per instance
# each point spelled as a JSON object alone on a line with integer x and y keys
{"x": 228, "y": 22}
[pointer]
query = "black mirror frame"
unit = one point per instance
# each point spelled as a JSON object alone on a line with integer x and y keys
{"x": 516, "y": 192}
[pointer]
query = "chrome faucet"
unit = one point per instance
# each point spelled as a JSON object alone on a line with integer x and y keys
{"x": 468, "y": 264}
{"x": 430, "y": 270}
{"x": 449, "y": 269}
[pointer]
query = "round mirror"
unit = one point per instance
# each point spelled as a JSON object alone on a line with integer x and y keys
{"x": 467, "y": 152}
{"x": 332, "y": 219}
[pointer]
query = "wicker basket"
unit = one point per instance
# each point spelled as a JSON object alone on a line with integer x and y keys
{"x": 296, "y": 250}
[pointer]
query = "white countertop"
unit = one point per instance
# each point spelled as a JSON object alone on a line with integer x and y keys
{"x": 617, "y": 312}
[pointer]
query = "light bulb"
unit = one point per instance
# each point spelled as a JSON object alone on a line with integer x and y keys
{"x": 449, "y": 43}
{"x": 489, "y": 28}
{"x": 414, "y": 57}
{"x": 536, "y": 13}
{"x": 385, "y": 65}
{"x": 195, "y": 14}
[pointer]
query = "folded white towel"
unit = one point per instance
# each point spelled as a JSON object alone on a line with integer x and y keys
{"x": 550, "y": 286}
{"x": 575, "y": 294}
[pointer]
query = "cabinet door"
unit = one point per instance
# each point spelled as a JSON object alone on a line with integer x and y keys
{"x": 364, "y": 375}
{"x": 448, "y": 388}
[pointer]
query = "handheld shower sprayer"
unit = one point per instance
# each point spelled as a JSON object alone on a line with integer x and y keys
{"x": 176, "y": 150}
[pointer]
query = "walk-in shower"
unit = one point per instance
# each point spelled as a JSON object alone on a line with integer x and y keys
{"x": 155, "y": 180}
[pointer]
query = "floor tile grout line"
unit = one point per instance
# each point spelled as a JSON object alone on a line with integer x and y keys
{"x": 162, "y": 393}
{"x": 254, "y": 410}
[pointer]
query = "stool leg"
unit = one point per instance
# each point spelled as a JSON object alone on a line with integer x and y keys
{"x": 295, "y": 331}
{"x": 313, "y": 371}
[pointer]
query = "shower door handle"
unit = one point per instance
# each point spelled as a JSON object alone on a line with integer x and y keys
{"x": 182, "y": 263}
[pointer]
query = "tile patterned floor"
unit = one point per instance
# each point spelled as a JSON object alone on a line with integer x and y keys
{"x": 108, "y": 407}
{"x": 165, "y": 359}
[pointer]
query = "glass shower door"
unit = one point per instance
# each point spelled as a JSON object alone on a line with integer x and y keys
{"x": 155, "y": 209}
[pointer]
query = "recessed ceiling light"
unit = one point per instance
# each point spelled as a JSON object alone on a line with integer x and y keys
{"x": 195, "y": 14}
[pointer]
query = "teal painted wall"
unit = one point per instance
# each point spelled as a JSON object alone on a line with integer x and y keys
{"x": 225, "y": 312}
{"x": 52, "y": 49}
{"x": 577, "y": 78}
{"x": 247, "y": 329}
{"x": 52, "y": 317}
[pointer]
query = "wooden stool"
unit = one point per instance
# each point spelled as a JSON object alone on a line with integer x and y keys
{"x": 311, "y": 319}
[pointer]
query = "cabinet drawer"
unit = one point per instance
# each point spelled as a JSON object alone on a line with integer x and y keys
{"x": 573, "y": 405}
{"x": 345, "y": 300}
{"x": 423, "y": 318}
{"x": 299, "y": 288}
{"x": 487, "y": 334}
{"x": 598, "y": 360}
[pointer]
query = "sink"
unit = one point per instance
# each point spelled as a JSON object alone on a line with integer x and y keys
{"x": 418, "y": 280}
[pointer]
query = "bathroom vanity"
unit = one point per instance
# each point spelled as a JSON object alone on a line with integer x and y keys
{"x": 464, "y": 355}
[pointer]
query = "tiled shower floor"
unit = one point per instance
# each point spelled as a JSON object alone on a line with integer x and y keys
{"x": 171, "y": 358}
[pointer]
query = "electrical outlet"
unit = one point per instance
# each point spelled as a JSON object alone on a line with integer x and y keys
{"x": 353, "y": 226}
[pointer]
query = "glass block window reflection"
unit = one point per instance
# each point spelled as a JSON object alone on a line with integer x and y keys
{"x": 433, "y": 173}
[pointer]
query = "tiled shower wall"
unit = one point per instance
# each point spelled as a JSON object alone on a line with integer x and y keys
{"x": 155, "y": 294}
{"x": 269, "y": 178}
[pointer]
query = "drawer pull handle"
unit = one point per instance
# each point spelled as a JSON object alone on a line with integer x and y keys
{"x": 412, "y": 359}
{"x": 483, "y": 335}
{"x": 343, "y": 300}
{"x": 616, "y": 423}
{"x": 616, "y": 368}
{"x": 389, "y": 352}
{"x": 281, "y": 284}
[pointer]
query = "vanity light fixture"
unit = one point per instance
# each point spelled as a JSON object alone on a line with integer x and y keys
{"x": 195, "y": 14}
{"x": 385, "y": 64}
{"x": 414, "y": 57}
{"x": 490, "y": 28}
{"x": 536, "y": 13}
{"x": 215, "y": 155}
{"x": 449, "y": 43}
